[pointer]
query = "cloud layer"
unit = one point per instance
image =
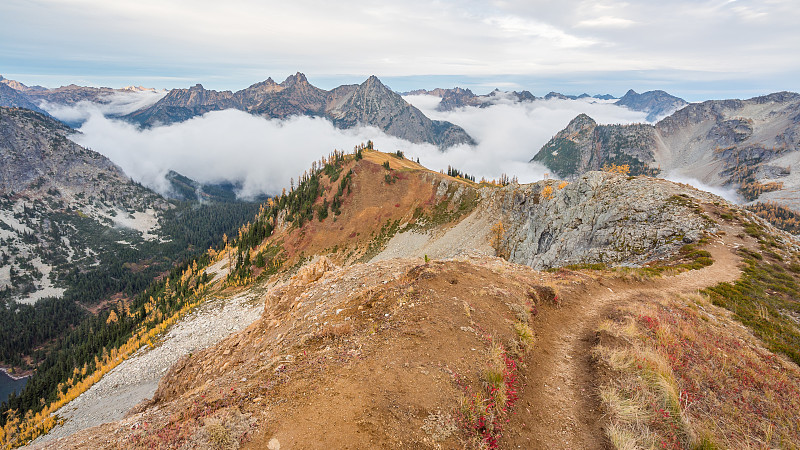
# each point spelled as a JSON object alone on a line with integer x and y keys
{"x": 264, "y": 154}
{"x": 116, "y": 104}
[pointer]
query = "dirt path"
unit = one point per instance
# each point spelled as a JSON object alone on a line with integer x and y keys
{"x": 558, "y": 407}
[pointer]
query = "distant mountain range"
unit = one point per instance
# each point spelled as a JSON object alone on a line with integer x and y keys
{"x": 752, "y": 145}
{"x": 370, "y": 103}
{"x": 656, "y": 104}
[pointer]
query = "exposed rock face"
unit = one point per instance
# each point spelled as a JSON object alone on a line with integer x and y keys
{"x": 34, "y": 150}
{"x": 719, "y": 142}
{"x": 313, "y": 272}
{"x": 370, "y": 103}
{"x": 655, "y": 103}
{"x": 601, "y": 217}
{"x": 10, "y": 97}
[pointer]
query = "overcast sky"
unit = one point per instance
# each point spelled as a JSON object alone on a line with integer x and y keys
{"x": 693, "y": 48}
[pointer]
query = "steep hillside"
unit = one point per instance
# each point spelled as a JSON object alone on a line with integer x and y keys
{"x": 584, "y": 146}
{"x": 53, "y": 191}
{"x": 748, "y": 144}
{"x": 78, "y": 237}
{"x": 369, "y": 339}
{"x": 370, "y": 103}
{"x": 10, "y": 97}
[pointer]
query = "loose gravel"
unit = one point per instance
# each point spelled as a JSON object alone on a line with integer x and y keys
{"x": 136, "y": 379}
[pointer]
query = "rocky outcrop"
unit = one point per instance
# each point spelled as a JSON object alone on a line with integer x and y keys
{"x": 656, "y": 104}
{"x": 599, "y": 218}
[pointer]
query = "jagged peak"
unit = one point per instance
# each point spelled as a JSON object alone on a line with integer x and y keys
{"x": 269, "y": 83}
{"x": 298, "y": 78}
{"x": 374, "y": 83}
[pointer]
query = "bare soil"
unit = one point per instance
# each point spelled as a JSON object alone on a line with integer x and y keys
{"x": 559, "y": 407}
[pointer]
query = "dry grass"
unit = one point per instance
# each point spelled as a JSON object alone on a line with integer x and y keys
{"x": 494, "y": 375}
{"x": 682, "y": 375}
{"x": 525, "y": 335}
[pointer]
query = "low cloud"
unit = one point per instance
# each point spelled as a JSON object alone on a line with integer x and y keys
{"x": 509, "y": 134}
{"x": 117, "y": 104}
{"x": 262, "y": 154}
{"x": 728, "y": 194}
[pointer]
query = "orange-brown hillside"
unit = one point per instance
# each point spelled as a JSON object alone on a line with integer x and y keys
{"x": 479, "y": 352}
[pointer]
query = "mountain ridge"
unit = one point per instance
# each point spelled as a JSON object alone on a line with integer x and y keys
{"x": 370, "y": 103}
{"x": 751, "y": 145}
{"x": 346, "y": 333}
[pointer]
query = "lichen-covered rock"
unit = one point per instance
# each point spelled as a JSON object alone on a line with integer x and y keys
{"x": 599, "y": 218}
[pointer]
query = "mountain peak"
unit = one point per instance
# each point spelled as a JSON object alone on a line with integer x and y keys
{"x": 373, "y": 80}
{"x": 298, "y": 78}
{"x": 655, "y": 103}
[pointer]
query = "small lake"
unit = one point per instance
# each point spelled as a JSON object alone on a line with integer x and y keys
{"x": 9, "y": 385}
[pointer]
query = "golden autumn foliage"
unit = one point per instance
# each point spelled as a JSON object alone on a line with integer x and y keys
{"x": 623, "y": 169}
{"x": 497, "y": 234}
{"x": 18, "y": 432}
{"x": 547, "y": 192}
{"x": 562, "y": 185}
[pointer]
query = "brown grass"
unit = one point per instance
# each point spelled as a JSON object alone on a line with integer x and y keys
{"x": 680, "y": 374}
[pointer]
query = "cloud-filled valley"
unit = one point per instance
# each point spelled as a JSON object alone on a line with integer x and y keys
{"x": 262, "y": 154}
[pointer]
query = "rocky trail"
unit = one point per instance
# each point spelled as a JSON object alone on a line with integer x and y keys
{"x": 558, "y": 407}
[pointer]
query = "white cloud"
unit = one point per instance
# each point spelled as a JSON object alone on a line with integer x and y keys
{"x": 516, "y": 27}
{"x": 117, "y": 104}
{"x": 605, "y": 22}
{"x": 263, "y": 154}
{"x": 728, "y": 194}
{"x": 510, "y": 134}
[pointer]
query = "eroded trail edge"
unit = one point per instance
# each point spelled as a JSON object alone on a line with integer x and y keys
{"x": 559, "y": 407}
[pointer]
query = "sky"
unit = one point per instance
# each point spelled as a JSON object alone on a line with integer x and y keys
{"x": 695, "y": 49}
